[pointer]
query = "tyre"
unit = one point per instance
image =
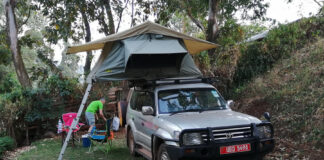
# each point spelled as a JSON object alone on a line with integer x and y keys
{"x": 131, "y": 143}
{"x": 162, "y": 153}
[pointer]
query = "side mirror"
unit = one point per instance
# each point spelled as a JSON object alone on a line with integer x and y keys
{"x": 230, "y": 103}
{"x": 147, "y": 110}
{"x": 267, "y": 116}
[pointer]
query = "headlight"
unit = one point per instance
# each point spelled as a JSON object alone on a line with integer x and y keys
{"x": 176, "y": 135}
{"x": 192, "y": 139}
{"x": 264, "y": 132}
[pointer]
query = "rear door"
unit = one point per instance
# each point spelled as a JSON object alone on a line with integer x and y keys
{"x": 148, "y": 128}
{"x": 133, "y": 115}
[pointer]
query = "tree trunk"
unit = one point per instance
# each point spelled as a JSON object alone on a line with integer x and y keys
{"x": 212, "y": 27}
{"x": 87, "y": 39}
{"x": 110, "y": 17}
{"x": 103, "y": 23}
{"x": 132, "y": 16}
{"x": 14, "y": 45}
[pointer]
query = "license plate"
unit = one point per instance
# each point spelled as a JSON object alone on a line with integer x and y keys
{"x": 235, "y": 148}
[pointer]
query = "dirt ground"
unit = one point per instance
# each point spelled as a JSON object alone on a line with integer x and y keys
{"x": 285, "y": 148}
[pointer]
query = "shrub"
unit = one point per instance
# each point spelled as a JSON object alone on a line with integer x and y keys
{"x": 258, "y": 57}
{"x": 21, "y": 108}
{"x": 6, "y": 144}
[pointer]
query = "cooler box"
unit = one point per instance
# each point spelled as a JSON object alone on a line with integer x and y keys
{"x": 86, "y": 141}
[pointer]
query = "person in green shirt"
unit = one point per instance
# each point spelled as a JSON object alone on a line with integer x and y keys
{"x": 91, "y": 111}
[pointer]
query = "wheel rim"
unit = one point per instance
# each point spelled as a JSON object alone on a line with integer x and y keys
{"x": 164, "y": 156}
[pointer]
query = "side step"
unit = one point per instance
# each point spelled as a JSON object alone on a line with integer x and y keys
{"x": 144, "y": 152}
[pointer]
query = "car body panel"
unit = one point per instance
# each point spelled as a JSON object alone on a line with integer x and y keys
{"x": 169, "y": 126}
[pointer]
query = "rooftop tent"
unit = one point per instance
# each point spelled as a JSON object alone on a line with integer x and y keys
{"x": 147, "y": 56}
{"x": 124, "y": 54}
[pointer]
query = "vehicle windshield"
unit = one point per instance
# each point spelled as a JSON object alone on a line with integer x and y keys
{"x": 183, "y": 100}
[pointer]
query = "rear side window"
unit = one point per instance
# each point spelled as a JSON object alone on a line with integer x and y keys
{"x": 133, "y": 100}
{"x": 140, "y": 99}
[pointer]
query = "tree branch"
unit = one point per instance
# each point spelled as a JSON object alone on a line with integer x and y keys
{"x": 193, "y": 19}
{"x": 318, "y": 3}
{"x": 197, "y": 22}
{"x": 120, "y": 15}
{"x": 48, "y": 62}
{"x": 25, "y": 21}
{"x": 110, "y": 16}
{"x": 101, "y": 19}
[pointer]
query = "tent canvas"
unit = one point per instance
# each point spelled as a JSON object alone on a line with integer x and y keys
{"x": 147, "y": 56}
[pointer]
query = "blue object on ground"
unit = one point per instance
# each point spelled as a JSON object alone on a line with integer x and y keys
{"x": 86, "y": 141}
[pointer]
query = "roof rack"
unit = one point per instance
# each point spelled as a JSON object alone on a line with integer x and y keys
{"x": 167, "y": 81}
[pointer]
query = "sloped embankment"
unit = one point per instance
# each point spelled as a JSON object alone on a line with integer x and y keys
{"x": 293, "y": 92}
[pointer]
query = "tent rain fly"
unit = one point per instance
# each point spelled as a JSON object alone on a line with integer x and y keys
{"x": 147, "y": 51}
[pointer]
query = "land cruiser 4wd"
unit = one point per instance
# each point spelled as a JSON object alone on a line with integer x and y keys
{"x": 189, "y": 119}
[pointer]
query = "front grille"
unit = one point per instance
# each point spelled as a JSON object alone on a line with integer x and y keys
{"x": 229, "y": 133}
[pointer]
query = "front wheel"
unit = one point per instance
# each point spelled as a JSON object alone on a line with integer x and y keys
{"x": 162, "y": 153}
{"x": 131, "y": 143}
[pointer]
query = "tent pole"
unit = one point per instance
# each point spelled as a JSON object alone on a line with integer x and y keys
{"x": 75, "y": 121}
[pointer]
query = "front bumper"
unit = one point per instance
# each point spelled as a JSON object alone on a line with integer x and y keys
{"x": 212, "y": 150}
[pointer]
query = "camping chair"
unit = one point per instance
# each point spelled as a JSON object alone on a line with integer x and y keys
{"x": 102, "y": 135}
{"x": 66, "y": 125}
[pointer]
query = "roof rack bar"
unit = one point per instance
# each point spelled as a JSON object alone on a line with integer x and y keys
{"x": 152, "y": 83}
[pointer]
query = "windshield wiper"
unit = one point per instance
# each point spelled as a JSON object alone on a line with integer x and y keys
{"x": 189, "y": 110}
{"x": 211, "y": 109}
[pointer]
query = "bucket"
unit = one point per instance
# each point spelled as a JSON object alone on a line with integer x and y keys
{"x": 86, "y": 141}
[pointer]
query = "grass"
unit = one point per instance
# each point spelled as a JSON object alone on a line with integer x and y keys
{"x": 49, "y": 149}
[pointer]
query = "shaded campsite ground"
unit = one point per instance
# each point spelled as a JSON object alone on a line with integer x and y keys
{"x": 49, "y": 149}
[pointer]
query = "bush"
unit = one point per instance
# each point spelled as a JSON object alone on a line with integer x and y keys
{"x": 21, "y": 108}
{"x": 258, "y": 57}
{"x": 6, "y": 144}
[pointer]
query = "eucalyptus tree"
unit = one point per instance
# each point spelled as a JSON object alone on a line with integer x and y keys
{"x": 13, "y": 7}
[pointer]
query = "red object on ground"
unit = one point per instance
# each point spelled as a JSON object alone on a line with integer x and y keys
{"x": 111, "y": 137}
{"x": 67, "y": 122}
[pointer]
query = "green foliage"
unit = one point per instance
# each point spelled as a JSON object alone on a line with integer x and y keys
{"x": 230, "y": 34}
{"x": 67, "y": 19}
{"x": 258, "y": 57}
{"x": 253, "y": 61}
{"x": 6, "y": 144}
{"x": 253, "y": 29}
{"x": 7, "y": 79}
{"x": 203, "y": 58}
{"x": 292, "y": 91}
{"x": 36, "y": 106}
{"x": 61, "y": 87}
{"x": 5, "y": 55}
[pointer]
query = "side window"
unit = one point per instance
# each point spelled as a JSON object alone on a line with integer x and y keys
{"x": 133, "y": 100}
{"x": 142, "y": 99}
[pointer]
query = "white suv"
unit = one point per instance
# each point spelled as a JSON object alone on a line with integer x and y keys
{"x": 189, "y": 119}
